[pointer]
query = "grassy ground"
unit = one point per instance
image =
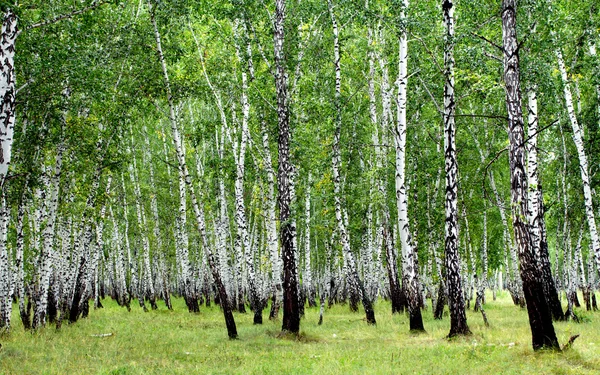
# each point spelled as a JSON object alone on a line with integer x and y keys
{"x": 176, "y": 342}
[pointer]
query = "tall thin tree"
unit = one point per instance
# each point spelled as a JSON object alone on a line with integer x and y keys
{"x": 540, "y": 320}
{"x": 456, "y": 302}
{"x": 291, "y": 312}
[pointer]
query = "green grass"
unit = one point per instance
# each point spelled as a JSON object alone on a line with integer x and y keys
{"x": 176, "y": 342}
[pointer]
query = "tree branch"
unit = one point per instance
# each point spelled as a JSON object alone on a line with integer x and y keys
{"x": 95, "y": 4}
{"x": 487, "y": 167}
{"x": 489, "y": 41}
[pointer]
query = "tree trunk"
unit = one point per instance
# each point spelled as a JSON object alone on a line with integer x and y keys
{"x": 160, "y": 274}
{"x": 271, "y": 226}
{"x": 146, "y": 277}
{"x": 456, "y": 302}
{"x": 198, "y": 210}
{"x": 5, "y": 267}
{"x": 47, "y": 255}
{"x": 356, "y": 287}
{"x": 308, "y": 283}
{"x": 540, "y": 319}
{"x": 7, "y": 123}
{"x": 291, "y": 313}
{"x": 535, "y": 214}
{"x": 239, "y": 150}
{"x": 7, "y": 90}
{"x": 132, "y": 261}
{"x": 409, "y": 273}
{"x": 583, "y": 162}
{"x": 395, "y": 292}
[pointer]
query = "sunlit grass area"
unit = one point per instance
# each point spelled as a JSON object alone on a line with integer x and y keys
{"x": 176, "y": 342}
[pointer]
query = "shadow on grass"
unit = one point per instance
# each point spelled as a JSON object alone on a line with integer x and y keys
{"x": 289, "y": 336}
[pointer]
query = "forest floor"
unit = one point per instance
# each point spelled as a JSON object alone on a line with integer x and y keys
{"x": 176, "y": 342}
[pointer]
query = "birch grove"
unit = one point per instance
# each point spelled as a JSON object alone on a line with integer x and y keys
{"x": 293, "y": 156}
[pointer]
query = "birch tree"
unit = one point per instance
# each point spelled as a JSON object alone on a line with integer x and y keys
{"x": 291, "y": 313}
{"x": 458, "y": 318}
{"x": 409, "y": 274}
{"x": 183, "y": 170}
{"x": 583, "y": 160}
{"x": 540, "y": 320}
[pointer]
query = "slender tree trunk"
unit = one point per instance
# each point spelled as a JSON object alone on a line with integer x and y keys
{"x": 540, "y": 319}
{"x": 132, "y": 261}
{"x": 7, "y": 123}
{"x": 456, "y": 302}
{"x": 355, "y": 284}
{"x": 160, "y": 275}
{"x": 409, "y": 273}
{"x": 223, "y": 225}
{"x": 583, "y": 162}
{"x": 99, "y": 255}
{"x": 146, "y": 277}
{"x": 239, "y": 150}
{"x": 47, "y": 255}
{"x": 119, "y": 262}
{"x": 535, "y": 215}
{"x": 7, "y": 90}
{"x": 5, "y": 268}
{"x": 271, "y": 226}
{"x": 291, "y": 313}
{"x": 592, "y": 49}
{"x": 308, "y": 282}
{"x": 19, "y": 264}
{"x": 84, "y": 249}
{"x": 198, "y": 210}
{"x": 395, "y": 292}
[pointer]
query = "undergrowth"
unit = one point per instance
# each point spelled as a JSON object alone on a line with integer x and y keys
{"x": 177, "y": 342}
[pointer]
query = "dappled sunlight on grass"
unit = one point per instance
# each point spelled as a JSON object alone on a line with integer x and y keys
{"x": 176, "y": 342}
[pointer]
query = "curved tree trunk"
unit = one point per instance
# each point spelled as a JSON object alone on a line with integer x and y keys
{"x": 583, "y": 162}
{"x": 198, "y": 210}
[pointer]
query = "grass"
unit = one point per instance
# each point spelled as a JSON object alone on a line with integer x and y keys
{"x": 176, "y": 342}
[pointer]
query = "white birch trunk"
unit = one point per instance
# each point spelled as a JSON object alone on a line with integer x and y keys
{"x": 239, "y": 150}
{"x": 5, "y": 266}
{"x": 456, "y": 301}
{"x": 592, "y": 49}
{"x": 308, "y": 283}
{"x": 198, "y": 210}
{"x": 146, "y": 277}
{"x": 583, "y": 162}
{"x": 354, "y": 282}
{"x": 47, "y": 255}
{"x": 409, "y": 273}
{"x": 132, "y": 259}
{"x": 271, "y": 225}
{"x": 7, "y": 90}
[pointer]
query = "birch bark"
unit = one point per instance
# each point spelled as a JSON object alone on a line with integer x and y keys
{"x": 535, "y": 215}
{"x": 540, "y": 320}
{"x": 47, "y": 255}
{"x": 456, "y": 302}
{"x": 291, "y": 313}
{"x": 583, "y": 162}
{"x": 409, "y": 273}
{"x": 355, "y": 284}
{"x": 198, "y": 210}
